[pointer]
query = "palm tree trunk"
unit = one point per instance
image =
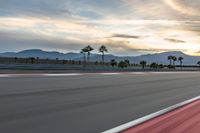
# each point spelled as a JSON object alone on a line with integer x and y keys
{"x": 103, "y": 57}
{"x": 181, "y": 62}
{"x": 84, "y": 58}
{"x": 88, "y": 57}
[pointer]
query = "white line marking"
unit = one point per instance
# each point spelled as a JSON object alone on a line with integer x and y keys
{"x": 77, "y": 74}
{"x": 149, "y": 117}
{"x": 3, "y": 75}
{"x": 176, "y": 72}
{"x": 138, "y": 73}
{"x": 44, "y": 75}
{"x": 62, "y": 74}
{"x": 109, "y": 73}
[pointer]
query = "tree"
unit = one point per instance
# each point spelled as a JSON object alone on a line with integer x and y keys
{"x": 15, "y": 59}
{"x": 127, "y": 62}
{"x": 84, "y": 51}
{"x": 113, "y": 63}
{"x": 161, "y": 66}
{"x": 32, "y": 60}
{"x": 103, "y": 49}
{"x": 88, "y": 49}
{"x": 180, "y": 59}
{"x": 174, "y": 58}
{"x": 96, "y": 62}
{"x": 122, "y": 64}
{"x": 171, "y": 67}
{"x": 143, "y": 63}
{"x": 170, "y": 58}
{"x": 154, "y": 65}
{"x": 63, "y": 61}
{"x": 38, "y": 59}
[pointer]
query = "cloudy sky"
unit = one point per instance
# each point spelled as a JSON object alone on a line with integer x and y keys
{"x": 126, "y": 27}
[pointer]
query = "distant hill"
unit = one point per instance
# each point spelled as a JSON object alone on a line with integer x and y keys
{"x": 162, "y": 58}
{"x": 159, "y": 58}
{"x": 41, "y": 54}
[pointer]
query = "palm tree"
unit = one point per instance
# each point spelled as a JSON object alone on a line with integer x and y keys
{"x": 180, "y": 59}
{"x": 83, "y": 51}
{"x": 170, "y": 59}
{"x": 88, "y": 50}
{"x": 143, "y": 63}
{"x": 174, "y": 58}
{"x": 103, "y": 49}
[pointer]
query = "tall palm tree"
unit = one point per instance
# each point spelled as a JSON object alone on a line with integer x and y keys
{"x": 103, "y": 49}
{"x": 88, "y": 50}
{"x": 83, "y": 51}
{"x": 170, "y": 59}
{"x": 174, "y": 58}
{"x": 143, "y": 63}
{"x": 180, "y": 59}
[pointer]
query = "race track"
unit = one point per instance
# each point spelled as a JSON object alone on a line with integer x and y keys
{"x": 88, "y": 103}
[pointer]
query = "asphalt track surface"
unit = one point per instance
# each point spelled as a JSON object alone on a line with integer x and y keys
{"x": 88, "y": 103}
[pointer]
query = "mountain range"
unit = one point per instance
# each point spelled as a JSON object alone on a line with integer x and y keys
{"x": 158, "y": 58}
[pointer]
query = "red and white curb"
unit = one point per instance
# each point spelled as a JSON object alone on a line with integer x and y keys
{"x": 136, "y": 122}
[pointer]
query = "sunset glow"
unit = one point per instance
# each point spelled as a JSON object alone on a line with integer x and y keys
{"x": 126, "y": 27}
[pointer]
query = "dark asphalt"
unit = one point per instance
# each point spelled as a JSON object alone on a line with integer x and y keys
{"x": 89, "y": 103}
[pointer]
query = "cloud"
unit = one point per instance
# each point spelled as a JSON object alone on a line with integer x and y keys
{"x": 40, "y": 8}
{"x": 174, "y": 40}
{"x": 139, "y": 25}
{"x": 188, "y": 7}
{"x": 14, "y": 41}
{"x": 164, "y": 9}
{"x": 126, "y": 36}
